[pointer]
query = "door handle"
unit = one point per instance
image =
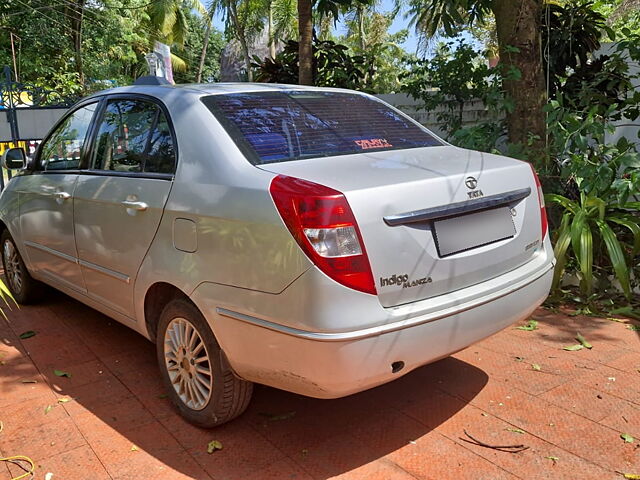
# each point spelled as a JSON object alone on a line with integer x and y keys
{"x": 63, "y": 195}
{"x": 140, "y": 206}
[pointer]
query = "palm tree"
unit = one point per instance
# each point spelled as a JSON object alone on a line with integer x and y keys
{"x": 305, "y": 42}
{"x": 169, "y": 25}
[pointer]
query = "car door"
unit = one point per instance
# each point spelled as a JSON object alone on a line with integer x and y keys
{"x": 119, "y": 203}
{"x": 46, "y": 200}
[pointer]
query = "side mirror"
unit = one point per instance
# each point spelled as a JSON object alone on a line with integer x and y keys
{"x": 14, "y": 159}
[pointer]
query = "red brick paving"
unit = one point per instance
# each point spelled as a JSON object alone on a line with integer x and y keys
{"x": 117, "y": 424}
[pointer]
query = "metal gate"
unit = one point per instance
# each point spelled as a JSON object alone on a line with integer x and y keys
{"x": 30, "y": 111}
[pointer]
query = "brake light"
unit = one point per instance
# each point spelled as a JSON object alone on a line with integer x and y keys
{"x": 543, "y": 211}
{"x": 321, "y": 221}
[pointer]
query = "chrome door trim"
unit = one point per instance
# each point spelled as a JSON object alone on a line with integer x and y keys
{"x": 51, "y": 251}
{"x": 457, "y": 208}
{"x": 106, "y": 271}
{"x": 390, "y": 327}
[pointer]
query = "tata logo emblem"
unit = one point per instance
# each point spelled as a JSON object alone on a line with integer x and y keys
{"x": 471, "y": 183}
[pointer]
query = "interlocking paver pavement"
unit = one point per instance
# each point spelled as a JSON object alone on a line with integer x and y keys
{"x": 110, "y": 419}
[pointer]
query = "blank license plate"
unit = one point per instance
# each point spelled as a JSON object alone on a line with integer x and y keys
{"x": 464, "y": 232}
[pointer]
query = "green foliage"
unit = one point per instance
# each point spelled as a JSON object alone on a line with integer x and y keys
{"x": 620, "y": 14}
{"x": 192, "y": 49}
{"x": 432, "y": 16}
{"x": 385, "y": 60}
{"x": 456, "y": 74}
{"x": 333, "y": 66}
{"x": 114, "y": 41}
{"x": 570, "y": 33}
{"x": 599, "y": 225}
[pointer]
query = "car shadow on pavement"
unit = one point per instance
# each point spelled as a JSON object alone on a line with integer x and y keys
{"x": 99, "y": 397}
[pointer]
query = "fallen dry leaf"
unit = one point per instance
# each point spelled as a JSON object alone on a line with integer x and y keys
{"x": 627, "y": 438}
{"x": 573, "y": 348}
{"x": 583, "y": 341}
{"x": 214, "y": 445}
{"x": 515, "y": 430}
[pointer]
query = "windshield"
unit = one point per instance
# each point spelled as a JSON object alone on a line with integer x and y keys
{"x": 274, "y": 127}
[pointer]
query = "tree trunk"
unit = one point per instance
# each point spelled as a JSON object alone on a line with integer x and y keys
{"x": 518, "y": 28}
{"x": 205, "y": 46}
{"x": 272, "y": 40}
{"x": 76, "y": 15}
{"x": 305, "y": 46}
{"x": 360, "y": 15}
{"x": 239, "y": 29}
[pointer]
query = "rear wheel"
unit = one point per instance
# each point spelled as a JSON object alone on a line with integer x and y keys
{"x": 200, "y": 382}
{"x": 24, "y": 288}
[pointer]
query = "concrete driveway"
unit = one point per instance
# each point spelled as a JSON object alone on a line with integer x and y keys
{"x": 110, "y": 419}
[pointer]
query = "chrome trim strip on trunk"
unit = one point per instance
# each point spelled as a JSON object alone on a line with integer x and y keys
{"x": 458, "y": 208}
{"x": 382, "y": 329}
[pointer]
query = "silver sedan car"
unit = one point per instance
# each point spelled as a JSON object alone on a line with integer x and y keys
{"x": 316, "y": 240}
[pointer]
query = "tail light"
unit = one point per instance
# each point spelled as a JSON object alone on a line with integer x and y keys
{"x": 321, "y": 221}
{"x": 543, "y": 211}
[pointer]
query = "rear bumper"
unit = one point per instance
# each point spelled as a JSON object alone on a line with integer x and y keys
{"x": 332, "y": 364}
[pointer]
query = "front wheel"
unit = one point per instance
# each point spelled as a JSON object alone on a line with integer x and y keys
{"x": 24, "y": 288}
{"x": 200, "y": 382}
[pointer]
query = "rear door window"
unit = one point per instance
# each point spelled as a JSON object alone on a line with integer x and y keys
{"x": 281, "y": 126}
{"x": 134, "y": 136}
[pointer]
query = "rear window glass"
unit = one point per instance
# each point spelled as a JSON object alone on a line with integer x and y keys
{"x": 274, "y": 127}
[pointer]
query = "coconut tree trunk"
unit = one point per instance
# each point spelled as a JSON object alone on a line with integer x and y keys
{"x": 242, "y": 38}
{"x": 205, "y": 46}
{"x": 305, "y": 45}
{"x": 271, "y": 39}
{"x": 518, "y": 28}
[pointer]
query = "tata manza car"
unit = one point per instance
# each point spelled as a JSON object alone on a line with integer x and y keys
{"x": 316, "y": 240}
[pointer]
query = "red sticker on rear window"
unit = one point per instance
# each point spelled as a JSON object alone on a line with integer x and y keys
{"x": 373, "y": 143}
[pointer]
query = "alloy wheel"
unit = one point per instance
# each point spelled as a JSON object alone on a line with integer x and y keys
{"x": 12, "y": 264}
{"x": 187, "y": 363}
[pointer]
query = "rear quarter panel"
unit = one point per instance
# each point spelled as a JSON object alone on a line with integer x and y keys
{"x": 240, "y": 238}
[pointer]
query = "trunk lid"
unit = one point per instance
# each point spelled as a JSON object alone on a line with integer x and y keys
{"x": 425, "y": 247}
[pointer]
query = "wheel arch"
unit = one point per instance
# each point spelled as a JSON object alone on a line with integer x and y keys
{"x": 157, "y": 297}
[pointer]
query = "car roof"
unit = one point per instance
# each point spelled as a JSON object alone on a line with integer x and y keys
{"x": 200, "y": 89}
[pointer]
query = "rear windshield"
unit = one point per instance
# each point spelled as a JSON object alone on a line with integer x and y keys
{"x": 272, "y": 127}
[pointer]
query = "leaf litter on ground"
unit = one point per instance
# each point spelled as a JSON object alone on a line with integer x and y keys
{"x": 213, "y": 445}
{"x": 573, "y": 348}
{"x": 27, "y": 334}
{"x": 530, "y": 326}
{"x": 61, "y": 373}
{"x": 627, "y": 438}
{"x": 536, "y": 367}
{"x": 515, "y": 430}
{"x": 583, "y": 341}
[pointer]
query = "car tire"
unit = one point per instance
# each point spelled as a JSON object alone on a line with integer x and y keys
{"x": 206, "y": 400}
{"x": 24, "y": 288}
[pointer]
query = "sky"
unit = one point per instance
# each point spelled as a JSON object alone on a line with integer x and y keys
{"x": 399, "y": 23}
